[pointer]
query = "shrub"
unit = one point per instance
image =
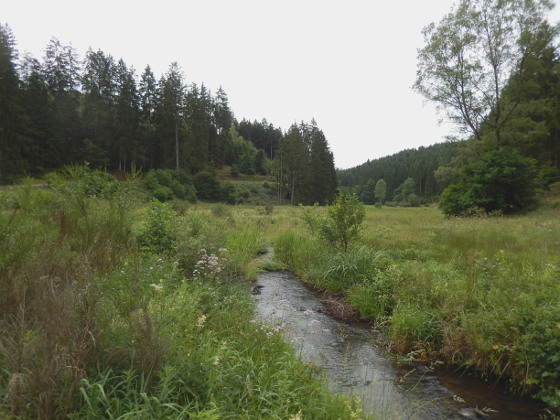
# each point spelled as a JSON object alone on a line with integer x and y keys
{"x": 158, "y": 232}
{"x": 343, "y": 223}
{"x": 166, "y": 184}
{"x": 207, "y": 186}
{"x": 502, "y": 180}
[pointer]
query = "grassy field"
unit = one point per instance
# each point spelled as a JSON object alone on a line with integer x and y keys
{"x": 478, "y": 292}
{"x": 115, "y": 308}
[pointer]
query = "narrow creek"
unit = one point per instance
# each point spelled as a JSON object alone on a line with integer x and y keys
{"x": 356, "y": 363}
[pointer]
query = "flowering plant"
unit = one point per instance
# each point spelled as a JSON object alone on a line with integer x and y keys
{"x": 209, "y": 266}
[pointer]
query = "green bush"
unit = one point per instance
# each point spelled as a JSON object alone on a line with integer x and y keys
{"x": 166, "y": 184}
{"x": 158, "y": 232}
{"x": 502, "y": 180}
{"x": 207, "y": 186}
{"x": 343, "y": 222}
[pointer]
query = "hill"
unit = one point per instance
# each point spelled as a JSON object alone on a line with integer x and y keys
{"x": 418, "y": 164}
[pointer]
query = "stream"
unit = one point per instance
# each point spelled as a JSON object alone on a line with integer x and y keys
{"x": 356, "y": 362}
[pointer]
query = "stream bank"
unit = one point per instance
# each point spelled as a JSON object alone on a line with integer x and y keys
{"x": 356, "y": 362}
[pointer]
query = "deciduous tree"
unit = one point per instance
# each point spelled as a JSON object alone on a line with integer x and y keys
{"x": 469, "y": 57}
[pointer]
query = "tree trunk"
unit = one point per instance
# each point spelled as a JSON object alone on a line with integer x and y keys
{"x": 176, "y": 146}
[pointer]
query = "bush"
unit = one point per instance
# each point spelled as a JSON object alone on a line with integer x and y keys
{"x": 166, "y": 184}
{"x": 343, "y": 223}
{"x": 158, "y": 231}
{"x": 502, "y": 180}
{"x": 207, "y": 186}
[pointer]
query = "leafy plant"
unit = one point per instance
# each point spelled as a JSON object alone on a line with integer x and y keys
{"x": 158, "y": 231}
{"x": 502, "y": 180}
{"x": 344, "y": 219}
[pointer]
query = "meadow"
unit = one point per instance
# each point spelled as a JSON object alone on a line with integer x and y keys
{"x": 476, "y": 293}
{"x": 112, "y": 306}
{"x": 115, "y": 306}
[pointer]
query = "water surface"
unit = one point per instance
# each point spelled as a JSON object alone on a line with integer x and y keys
{"x": 356, "y": 362}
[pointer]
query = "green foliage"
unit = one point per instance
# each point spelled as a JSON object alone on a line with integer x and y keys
{"x": 476, "y": 292}
{"x": 82, "y": 181}
{"x": 244, "y": 193}
{"x": 413, "y": 200}
{"x": 380, "y": 191}
{"x": 413, "y": 328}
{"x": 306, "y": 165}
{"x": 501, "y": 181}
{"x": 297, "y": 251}
{"x": 101, "y": 330}
{"x": 358, "y": 266}
{"x": 368, "y": 192}
{"x": 166, "y": 184}
{"x": 404, "y": 191}
{"x": 344, "y": 218}
{"x": 157, "y": 233}
{"x": 457, "y": 49}
{"x": 207, "y": 186}
{"x": 418, "y": 164}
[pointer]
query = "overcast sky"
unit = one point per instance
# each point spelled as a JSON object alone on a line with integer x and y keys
{"x": 349, "y": 65}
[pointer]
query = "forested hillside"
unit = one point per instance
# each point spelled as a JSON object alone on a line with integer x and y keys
{"x": 417, "y": 164}
{"x": 64, "y": 109}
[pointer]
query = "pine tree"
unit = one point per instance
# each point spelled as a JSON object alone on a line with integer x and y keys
{"x": 127, "y": 116}
{"x": 148, "y": 89}
{"x": 11, "y": 111}
{"x": 169, "y": 116}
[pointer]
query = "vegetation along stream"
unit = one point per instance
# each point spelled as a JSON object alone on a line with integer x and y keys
{"x": 353, "y": 357}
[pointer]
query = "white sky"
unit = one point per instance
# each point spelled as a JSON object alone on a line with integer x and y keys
{"x": 348, "y": 64}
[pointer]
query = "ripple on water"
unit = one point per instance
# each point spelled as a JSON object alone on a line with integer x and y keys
{"x": 350, "y": 356}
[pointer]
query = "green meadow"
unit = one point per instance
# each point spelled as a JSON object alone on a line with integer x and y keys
{"x": 477, "y": 293}
{"x": 112, "y": 306}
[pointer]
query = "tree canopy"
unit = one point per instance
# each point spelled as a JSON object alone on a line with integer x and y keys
{"x": 60, "y": 110}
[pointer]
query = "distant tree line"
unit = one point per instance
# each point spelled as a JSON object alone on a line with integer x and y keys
{"x": 60, "y": 110}
{"x": 416, "y": 165}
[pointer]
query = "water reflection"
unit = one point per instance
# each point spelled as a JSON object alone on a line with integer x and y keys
{"x": 352, "y": 357}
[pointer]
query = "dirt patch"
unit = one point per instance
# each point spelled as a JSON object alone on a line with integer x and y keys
{"x": 338, "y": 309}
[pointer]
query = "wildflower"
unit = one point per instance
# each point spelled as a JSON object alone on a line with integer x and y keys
{"x": 297, "y": 416}
{"x": 201, "y": 320}
{"x": 157, "y": 287}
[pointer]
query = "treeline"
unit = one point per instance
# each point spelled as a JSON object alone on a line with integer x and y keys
{"x": 492, "y": 68}
{"x": 61, "y": 110}
{"x": 418, "y": 165}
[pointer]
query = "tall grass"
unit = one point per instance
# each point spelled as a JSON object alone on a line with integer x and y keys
{"x": 100, "y": 318}
{"x": 480, "y": 292}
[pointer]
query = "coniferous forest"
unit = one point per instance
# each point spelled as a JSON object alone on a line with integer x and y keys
{"x": 63, "y": 109}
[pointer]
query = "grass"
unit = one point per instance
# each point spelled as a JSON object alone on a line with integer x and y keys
{"x": 478, "y": 292}
{"x": 110, "y": 308}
